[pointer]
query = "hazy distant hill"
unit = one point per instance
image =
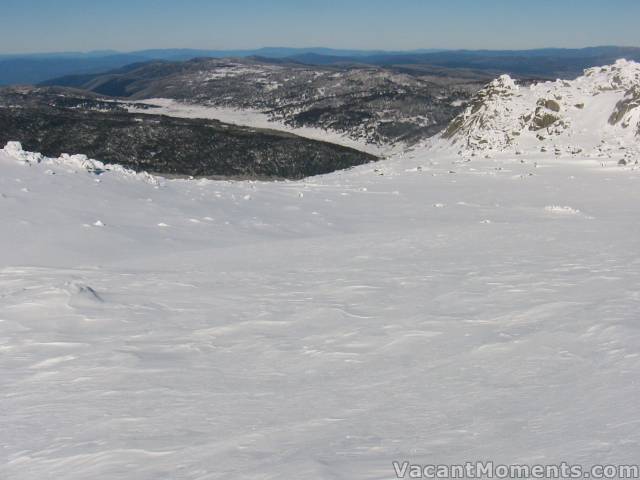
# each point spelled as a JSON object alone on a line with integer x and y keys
{"x": 378, "y": 105}
{"x": 35, "y": 68}
{"x": 544, "y": 63}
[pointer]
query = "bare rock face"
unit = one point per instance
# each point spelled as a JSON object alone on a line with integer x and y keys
{"x": 542, "y": 119}
{"x": 61, "y": 121}
{"x": 627, "y": 111}
{"x": 546, "y": 114}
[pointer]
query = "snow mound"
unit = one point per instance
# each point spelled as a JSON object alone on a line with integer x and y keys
{"x": 562, "y": 210}
{"x": 14, "y": 150}
{"x": 599, "y": 109}
{"x": 76, "y": 162}
{"x": 83, "y": 293}
{"x": 622, "y": 75}
{"x": 504, "y": 83}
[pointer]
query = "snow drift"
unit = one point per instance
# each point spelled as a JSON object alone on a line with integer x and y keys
{"x": 425, "y": 308}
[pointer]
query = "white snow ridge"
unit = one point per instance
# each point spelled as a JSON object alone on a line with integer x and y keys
{"x": 434, "y": 307}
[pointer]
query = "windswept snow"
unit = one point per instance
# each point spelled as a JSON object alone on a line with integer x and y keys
{"x": 425, "y": 309}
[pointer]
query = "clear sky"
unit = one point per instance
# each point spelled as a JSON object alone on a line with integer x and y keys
{"x": 80, "y": 25}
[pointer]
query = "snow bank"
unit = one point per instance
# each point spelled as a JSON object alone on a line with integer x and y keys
{"x": 78, "y": 162}
{"x": 422, "y": 309}
{"x": 14, "y": 150}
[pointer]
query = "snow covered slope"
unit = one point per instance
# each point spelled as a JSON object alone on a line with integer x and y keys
{"x": 256, "y": 119}
{"x": 422, "y": 308}
{"x": 598, "y": 114}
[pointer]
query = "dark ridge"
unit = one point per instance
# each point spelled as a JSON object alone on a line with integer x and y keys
{"x": 46, "y": 121}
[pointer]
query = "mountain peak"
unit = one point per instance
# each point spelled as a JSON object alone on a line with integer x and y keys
{"x": 622, "y": 75}
{"x": 504, "y": 82}
{"x": 602, "y": 107}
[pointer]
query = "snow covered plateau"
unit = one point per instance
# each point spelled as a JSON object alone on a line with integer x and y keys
{"x": 474, "y": 298}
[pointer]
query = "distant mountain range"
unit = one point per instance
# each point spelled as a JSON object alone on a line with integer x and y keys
{"x": 39, "y": 67}
{"x": 187, "y": 53}
{"x": 544, "y": 63}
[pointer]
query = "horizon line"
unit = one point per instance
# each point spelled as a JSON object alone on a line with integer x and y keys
{"x": 343, "y": 49}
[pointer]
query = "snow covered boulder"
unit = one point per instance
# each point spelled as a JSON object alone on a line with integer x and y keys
{"x": 14, "y": 150}
{"x": 83, "y": 162}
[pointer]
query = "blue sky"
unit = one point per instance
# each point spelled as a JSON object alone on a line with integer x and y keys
{"x": 64, "y": 25}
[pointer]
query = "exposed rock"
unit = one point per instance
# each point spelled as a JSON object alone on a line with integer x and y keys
{"x": 552, "y": 105}
{"x": 485, "y": 116}
{"x": 501, "y": 116}
{"x": 542, "y": 119}
{"x": 628, "y": 110}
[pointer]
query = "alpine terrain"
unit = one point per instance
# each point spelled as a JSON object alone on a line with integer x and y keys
{"x": 60, "y": 120}
{"x": 472, "y": 297}
{"x": 597, "y": 114}
{"x": 376, "y": 105}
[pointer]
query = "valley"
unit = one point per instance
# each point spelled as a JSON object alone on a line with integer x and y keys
{"x": 56, "y": 121}
{"x": 372, "y": 105}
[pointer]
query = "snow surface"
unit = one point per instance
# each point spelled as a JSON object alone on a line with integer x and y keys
{"x": 423, "y": 309}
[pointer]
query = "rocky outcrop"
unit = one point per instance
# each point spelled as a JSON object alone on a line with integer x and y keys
{"x": 483, "y": 121}
{"x": 503, "y": 116}
{"x": 627, "y": 111}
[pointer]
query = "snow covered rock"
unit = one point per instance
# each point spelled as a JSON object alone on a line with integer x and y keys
{"x": 627, "y": 111}
{"x": 77, "y": 162}
{"x": 600, "y": 107}
{"x": 14, "y": 150}
{"x": 488, "y": 119}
